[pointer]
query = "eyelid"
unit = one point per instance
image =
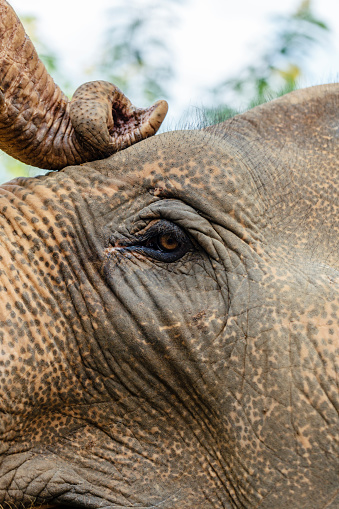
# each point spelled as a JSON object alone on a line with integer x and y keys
{"x": 160, "y": 227}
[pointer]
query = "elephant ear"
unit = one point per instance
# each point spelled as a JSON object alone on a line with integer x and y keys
{"x": 38, "y": 124}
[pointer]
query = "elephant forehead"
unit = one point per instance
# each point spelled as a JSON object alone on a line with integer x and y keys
{"x": 283, "y": 187}
{"x": 183, "y": 160}
{"x": 279, "y": 172}
{"x": 194, "y": 167}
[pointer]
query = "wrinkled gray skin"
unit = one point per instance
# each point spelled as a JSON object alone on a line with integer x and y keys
{"x": 129, "y": 379}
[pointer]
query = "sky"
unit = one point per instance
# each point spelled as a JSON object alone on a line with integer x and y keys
{"x": 211, "y": 40}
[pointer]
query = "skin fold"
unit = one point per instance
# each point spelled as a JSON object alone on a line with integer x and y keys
{"x": 169, "y": 320}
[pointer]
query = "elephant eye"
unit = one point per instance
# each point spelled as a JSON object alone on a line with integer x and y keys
{"x": 163, "y": 241}
{"x": 166, "y": 242}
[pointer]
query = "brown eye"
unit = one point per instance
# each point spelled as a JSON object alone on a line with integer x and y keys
{"x": 164, "y": 241}
{"x": 168, "y": 242}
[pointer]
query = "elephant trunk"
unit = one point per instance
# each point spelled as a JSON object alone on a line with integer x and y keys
{"x": 38, "y": 124}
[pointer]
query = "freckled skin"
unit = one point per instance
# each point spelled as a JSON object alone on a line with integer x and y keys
{"x": 208, "y": 382}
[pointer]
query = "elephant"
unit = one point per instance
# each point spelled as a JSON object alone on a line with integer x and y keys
{"x": 169, "y": 311}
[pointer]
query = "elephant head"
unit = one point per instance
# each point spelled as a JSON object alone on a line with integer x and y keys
{"x": 170, "y": 320}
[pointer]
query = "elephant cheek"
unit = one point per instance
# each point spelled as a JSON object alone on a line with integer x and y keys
{"x": 161, "y": 325}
